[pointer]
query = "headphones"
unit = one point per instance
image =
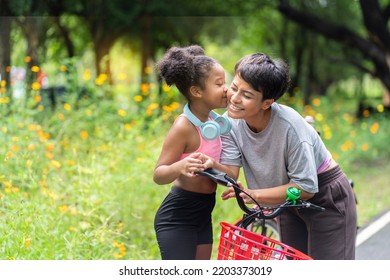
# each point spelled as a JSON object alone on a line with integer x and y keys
{"x": 212, "y": 128}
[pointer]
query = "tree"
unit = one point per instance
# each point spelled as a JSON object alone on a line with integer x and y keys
{"x": 373, "y": 45}
{"x": 5, "y": 39}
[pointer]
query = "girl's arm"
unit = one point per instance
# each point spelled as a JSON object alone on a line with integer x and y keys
{"x": 169, "y": 166}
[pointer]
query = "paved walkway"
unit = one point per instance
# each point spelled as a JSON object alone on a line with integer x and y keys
{"x": 373, "y": 241}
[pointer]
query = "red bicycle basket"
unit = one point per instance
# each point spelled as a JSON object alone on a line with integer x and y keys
{"x": 240, "y": 244}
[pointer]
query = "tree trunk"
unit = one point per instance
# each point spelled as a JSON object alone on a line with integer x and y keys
{"x": 146, "y": 48}
{"x": 65, "y": 35}
{"x": 31, "y": 29}
{"x": 5, "y": 50}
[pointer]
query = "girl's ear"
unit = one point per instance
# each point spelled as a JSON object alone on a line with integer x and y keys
{"x": 195, "y": 91}
{"x": 267, "y": 103}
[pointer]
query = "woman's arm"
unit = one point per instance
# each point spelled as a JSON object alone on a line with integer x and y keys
{"x": 270, "y": 196}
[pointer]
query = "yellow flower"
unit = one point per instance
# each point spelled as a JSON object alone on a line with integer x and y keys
{"x": 148, "y": 70}
{"x": 27, "y": 242}
{"x": 138, "y": 98}
{"x": 63, "y": 208}
{"x": 316, "y": 102}
{"x": 35, "y": 69}
{"x": 31, "y": 127}
{"x": 84, "y": 134}
{"x": 87, "y": 75}
{"x": 7, "y": 184}
{"x": 4, "y": 100}
{"x": 166, "y": 88}
{"x": 380, "y": 108}
{"x": 61, "y": 116}
{"x": 36, "y": 86}
{"x": 122, "y": 250}
{"x": 153, "y": 106}
{"x": 101, "y": 79}
{"x": 319, "y": 117}
{"x": 49, "y": 147}
{"x": 167, "y": 109}
{"x": 122, "y": 113}
{"x": 37, "y": 98}
{"x": 31, "y": 147}
{"x": 27, "y": 59}
{"x": 88, "y": 112}
{"x": 55, "y": 164}
{"x": 145, "y": 88}
{"x": 364, "y": 147}
{"x": 348, "y": 145}
{"x": 67, "y": 107}
{"x": 374, "y": 128}
{"x": 63, "y": 68}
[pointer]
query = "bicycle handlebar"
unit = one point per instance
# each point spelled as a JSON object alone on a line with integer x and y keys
{"x": 292, "y": 196}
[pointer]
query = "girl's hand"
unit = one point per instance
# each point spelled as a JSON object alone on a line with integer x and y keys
{"x": 207, "y": 160}
{"x": 191, "y": 164}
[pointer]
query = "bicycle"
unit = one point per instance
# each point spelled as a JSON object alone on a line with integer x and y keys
{"x": 239, "y": 242}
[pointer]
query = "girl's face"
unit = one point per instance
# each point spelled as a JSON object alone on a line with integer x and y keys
{"x": 244, "y": 102}
{"x": 215, "y": 90}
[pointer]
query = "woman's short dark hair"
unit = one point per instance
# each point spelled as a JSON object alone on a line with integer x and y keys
{"x": 270, "y": 77}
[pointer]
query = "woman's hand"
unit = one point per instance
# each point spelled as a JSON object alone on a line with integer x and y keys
{"x": 229, "y": 193}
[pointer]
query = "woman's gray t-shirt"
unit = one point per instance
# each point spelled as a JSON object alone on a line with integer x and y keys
{"x": 287, "y": 150}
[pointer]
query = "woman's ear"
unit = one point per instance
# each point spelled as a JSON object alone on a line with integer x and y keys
{"x": 195, "y": 91}
{"x": 267, "y": 103}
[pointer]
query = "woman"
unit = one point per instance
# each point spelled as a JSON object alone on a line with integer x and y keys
{"x": 278, "y": 149}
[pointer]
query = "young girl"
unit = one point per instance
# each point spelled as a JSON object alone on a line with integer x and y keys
{"x": 278, "y": 149}
{"x": 183, "y": 221}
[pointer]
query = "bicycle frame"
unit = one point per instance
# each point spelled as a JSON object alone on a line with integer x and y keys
{"x": 236, "y": 242}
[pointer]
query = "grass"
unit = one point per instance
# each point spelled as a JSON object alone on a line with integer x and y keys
{"x": 77, "y": 183}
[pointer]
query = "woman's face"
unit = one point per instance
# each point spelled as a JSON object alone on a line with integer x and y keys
{"x": 244, "y": 102}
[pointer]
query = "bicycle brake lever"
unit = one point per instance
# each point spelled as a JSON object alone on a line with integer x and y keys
{"x": 313, "y": 206}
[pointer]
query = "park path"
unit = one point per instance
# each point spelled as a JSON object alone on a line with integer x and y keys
{"x": 373, "y": 241}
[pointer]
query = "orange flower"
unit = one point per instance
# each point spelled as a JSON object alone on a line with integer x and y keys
{"x": 84, "y": 134}
{"x": 374, "y": 128}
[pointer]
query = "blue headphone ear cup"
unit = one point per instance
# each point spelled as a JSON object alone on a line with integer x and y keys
{"x": 210, "y": 130}
{"x": 224, "y": 123}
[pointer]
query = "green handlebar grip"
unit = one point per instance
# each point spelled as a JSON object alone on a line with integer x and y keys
{"x": 293, "y": 194}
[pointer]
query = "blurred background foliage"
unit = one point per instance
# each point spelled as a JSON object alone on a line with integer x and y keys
{"x": 83, "y": 113}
